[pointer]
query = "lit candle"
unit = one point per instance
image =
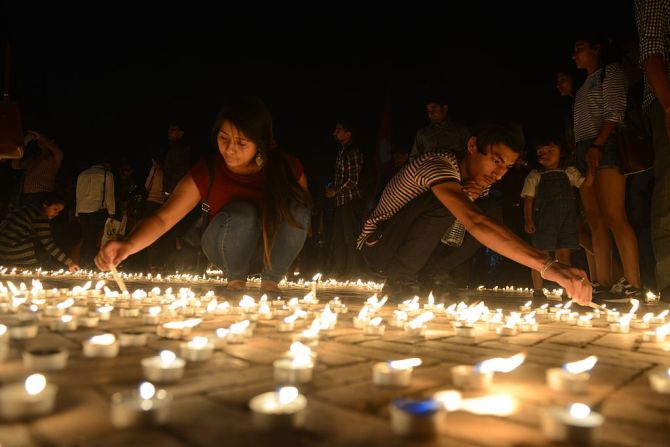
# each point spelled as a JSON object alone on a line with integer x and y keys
{"x": 526, "y": 307}
{"x": 22, "y": 330}
{"x": 281, "y": 409}
{"x": 105, "y": 346}
{"x": 153, "y": 315}
{"x": 509, "y": 329}
{"x": 658, "y": 335}
{"x": 623, "y": 325}
{"x": 374, "y": 327}
{"x": 542, "y": 310}
{"x": 651, "y": 299}
{"x": 132, "y": 338}
{"x": 576, "y": 424}
{"x": 164, "y": 367}
{"x": 197, "y": 350}
{"x": 295, "y": 370}
{"x": 315, "y": 280}
{"x": 480, "y": 376}
{"x": 129, "y": 312}
{"x": 287, "y": 324}
{"x": 572, "y": 377}
{"x": 237, "y": 332}
{"x": 529, "y": 324}
{"x": 396, "y": 373}
{"x": 45, "y": 359}
{"x": 362, "y": 318}
{"x": 264, "y": 312}
{"x": 660, "y": 318}
{"x": 64, "y": 323}
{"x": 105, "y": 312}
{"x": 417, "y": 326}
{"x": 612, "y": 315}
{"x": 177, "y": 329}
{"x": 585, "y": 320}
{"x": 90, "y": 320}
{"x": 34, "y": 397}
{"x": 416, "y": 419}
{"x": 659, "y": 379}
{"x": 642, "y": 323}
{"x": 142, "y": 407}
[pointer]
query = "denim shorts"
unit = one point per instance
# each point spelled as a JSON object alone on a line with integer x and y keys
{"x": 555, "y": 226}
{"x": 610, "y": 157}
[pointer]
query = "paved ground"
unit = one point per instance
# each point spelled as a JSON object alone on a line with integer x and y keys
{"x": 344, "y": 406}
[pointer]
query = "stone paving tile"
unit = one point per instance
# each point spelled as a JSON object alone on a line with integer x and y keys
{"x": 16, "y": 435}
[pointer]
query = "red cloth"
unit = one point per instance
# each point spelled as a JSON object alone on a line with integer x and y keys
{"x": 229, "y": 186}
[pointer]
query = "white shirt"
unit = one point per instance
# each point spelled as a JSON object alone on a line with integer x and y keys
{"x": 90, "y": 188}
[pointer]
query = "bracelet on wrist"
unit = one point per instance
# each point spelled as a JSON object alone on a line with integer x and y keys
{"x": 546, "y": 266}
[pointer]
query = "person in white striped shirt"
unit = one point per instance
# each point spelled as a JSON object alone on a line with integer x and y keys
{"x": 600, "y": 104}
{"x": 422, "y": 200}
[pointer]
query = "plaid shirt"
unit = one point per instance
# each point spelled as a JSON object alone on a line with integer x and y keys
{"x": 347, "y": 169}
{"x": 652, "y": 18}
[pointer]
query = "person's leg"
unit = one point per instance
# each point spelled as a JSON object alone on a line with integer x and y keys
{"x": 660, "y": 202}
{"x": 563, "y": 255}
{"x": 600, "y": 235}
{"x": 352, "y": 221}
{"x": 405, "y": 242}
{"x": 232, "y": 239}
{"x": 338, "y": 241}
{"x": 610, "y": 191}
{"x": 288, "y": 242}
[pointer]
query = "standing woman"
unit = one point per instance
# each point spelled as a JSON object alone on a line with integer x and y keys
{"x": 599, "y": 107}
{"x": 259, "y": 204}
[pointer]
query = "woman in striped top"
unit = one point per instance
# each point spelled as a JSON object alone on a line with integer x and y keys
{"x": 26, "y": 224}
{"x": 599, "y": 107}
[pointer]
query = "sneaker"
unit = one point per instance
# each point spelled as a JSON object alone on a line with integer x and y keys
{"x": 599, "y": 289}
{"x": 618, "y": 288}
{"x": 538, "y": 293}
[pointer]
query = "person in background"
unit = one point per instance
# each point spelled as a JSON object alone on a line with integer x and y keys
{"x": 442, "y": 134}
{"x": 259, "y": 202}
{"x": 40, "y": 168}
{"x": 550, "y": 210}
{"x": 27, "y": 224}
{"x": 345, "y": 259}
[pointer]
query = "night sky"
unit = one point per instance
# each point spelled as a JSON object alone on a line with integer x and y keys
{"x": 110, "y": 81}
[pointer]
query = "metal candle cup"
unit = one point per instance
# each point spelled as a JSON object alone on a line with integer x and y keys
{"x": 66, "y": 323}
{"x": 130, "y": 409}
{"x": 564, "y": 425}
{"x": 45, "y": 359}
{"x": 23, "y": 330}
{"x": 416, "y": 419}
{"x": 132, "y": 338}
{"x": 24, "y": 400}
{"x": 465, "y": 330}
{"x": 269, "y": 412}
{"x": 103, "y": 346}
{"x": 560, "y": 380}
{"x": 197, "y": 350}
{"x": 286, "y": 371}
{"x": 467, "y": 377}
{"x": 385, "y": 375}
{"x": 163, "y": 368}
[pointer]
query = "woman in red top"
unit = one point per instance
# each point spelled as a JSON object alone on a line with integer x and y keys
{"x": 259, "y": 202}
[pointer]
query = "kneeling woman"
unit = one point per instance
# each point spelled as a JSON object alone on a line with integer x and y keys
{"x": 31, "y": 223}
{"x": 259, "y": 204}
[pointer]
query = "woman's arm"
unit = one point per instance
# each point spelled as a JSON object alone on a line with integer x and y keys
{"x": 185, "y": 197}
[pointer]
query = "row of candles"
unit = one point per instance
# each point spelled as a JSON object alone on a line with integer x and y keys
{"x": 293, "y": 369}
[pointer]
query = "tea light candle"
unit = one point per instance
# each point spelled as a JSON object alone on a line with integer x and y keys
{"x": 163, "y": 368}
{"x": 237, "y": 332}
{"x": 399, "y": 319}
{"x": 542, "y": 310}
{"x": 105, "y": 312}
{"x": 660, "y": 318}
{"x": 507, "y": 330}
{"x": 374, "y": 327}
{"x": 153, "y": 315}
{"x": 23, "y": 330}
{"x": 105, "y": 346}
{"x": 198, "y": 349}
{"x": 34, "y": 397}
{"x": 572, "y": 377}
{"x": 78, "y": 310}
{"x": 467, "y": 377}
{"x": 576, "y": 424}
{"x": 613, "y": 316}
{"x": 281, "y": 409}
{"x": 287, "y": 324}
{"x": 45, "y": 359}
{"x": 132, "y": 338}
{"x": 130, "y": 312}
{"x": 585, "y": 321}
{"x": 89, "y": 321}
{"x": 264, "y": 312}
{"x": 396, "y": 373}
{"x": 417, "y": 326}
{"x": 142, "y": 407}
{"x": 622, "y": 326}
{"x": 64, "y": 323}
{"x": 526, "y": 307}
{"x": 177, "y": 329}
{"x": 293, "y": 371}
{"x": 659, "y": 379}
{"x": 642, "y": 323}
{"x": 465, "y": 330}
{"x": 417, "y": 419}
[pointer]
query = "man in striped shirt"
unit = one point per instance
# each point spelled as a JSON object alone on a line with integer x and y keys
{"x": 422, "y": 200}
{"x": 26, "y": 224}
{"x": 653, "y": 26}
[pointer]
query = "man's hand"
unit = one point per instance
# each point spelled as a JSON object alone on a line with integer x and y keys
{"x": 573, "y": 280}
{"x": 72, "y": 266}
{"x": 529, "y": 227}
{"x": 330, "y": 192}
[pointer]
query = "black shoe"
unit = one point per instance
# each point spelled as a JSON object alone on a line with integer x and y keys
{"x": 538, "y": 294}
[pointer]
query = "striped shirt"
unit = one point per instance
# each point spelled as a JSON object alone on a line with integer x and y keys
{"x": 652, "y": 18}
{"x": 598, "y": 100}
{"x": 347, "y": 170}
{"x": 19, "y": 229}
{"x": 414, "y": 179}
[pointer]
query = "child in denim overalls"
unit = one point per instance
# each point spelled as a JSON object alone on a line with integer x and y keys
{"x": 550, "y": 211}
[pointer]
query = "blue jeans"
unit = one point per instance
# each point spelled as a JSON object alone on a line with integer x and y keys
{"x": 233, "y": 241}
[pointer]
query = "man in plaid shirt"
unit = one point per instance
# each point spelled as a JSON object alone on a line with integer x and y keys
{"x": 348, "y": 203}
{"x": 653, "y": 26}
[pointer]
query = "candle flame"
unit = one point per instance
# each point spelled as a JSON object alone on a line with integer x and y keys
{"x": 431, "y": 299}
{"x": 104, "y": 339}
{"x": 155, "y": 310}
{"x": 287, "y": 394}
{"x": 316, "y": 277}
{"x": 625, "y": 320}
{"x": 581, "y": 366}
{"x": 66, "y": 318}
{"x": 528, "y": 304}
{"x": 663, "y": 314}
{"x": 375, "y": 321}
{"x": 662, "y": 331}
{"x": 105, "y": 309}
{"x": 496, "y": 405}
{"x": 99, "y": 284}
{"x": 264, "y": 309}
{"x": 635, "y": 304}
{"x": 239, "y": 327}
{"x": 65, "y": 304}
{"x": 192, "y": 322}
{"x": 450, "y": 399}
{"x": 247, "y": 302}
{"x": 421, "y": 320}
{"x": 500, "y": 364}
{"x": 3, "y": 329}
{"x": 404, "y": 364}
{"x": 299, "y": 349}
{"x": 579, "y": 410}
{"x": 198, "y": 342}
{"x": 147, "y": 390}
{"x": 167, "y": 357}
{"x": 35, "y": 384}
{"x": 211, "y": 306}
{"x": 647, "y": 317}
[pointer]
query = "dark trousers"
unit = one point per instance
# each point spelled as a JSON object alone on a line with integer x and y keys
{"x": 92, "y": 225}
{"x": 411, "y": 238}
{"x": 346, "y": 223}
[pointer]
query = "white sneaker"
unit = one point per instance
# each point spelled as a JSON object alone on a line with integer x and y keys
{"x": 619, "y": 287}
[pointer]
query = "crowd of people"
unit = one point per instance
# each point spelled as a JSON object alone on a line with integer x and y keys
{"x": 428, "y": 212}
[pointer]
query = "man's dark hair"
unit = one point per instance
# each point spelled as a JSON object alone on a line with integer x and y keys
{"x": 436, "y": 98}
{"x": 504, "y": 132}
{"x": 347, "y": 124}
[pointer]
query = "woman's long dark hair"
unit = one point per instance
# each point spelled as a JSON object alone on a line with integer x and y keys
{"x": 252, "y": 117}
